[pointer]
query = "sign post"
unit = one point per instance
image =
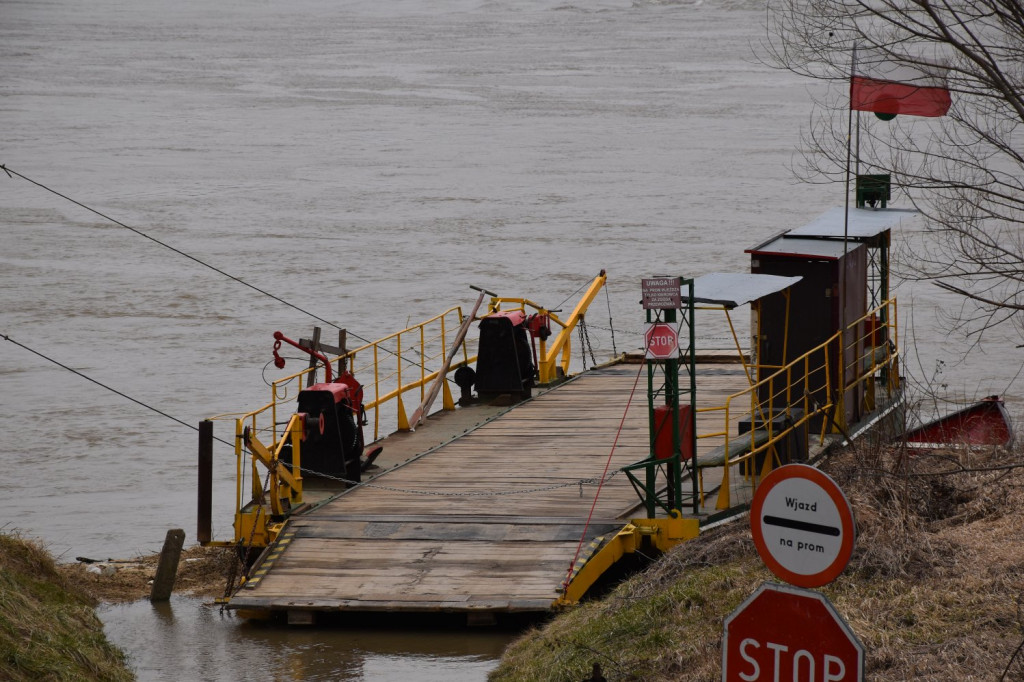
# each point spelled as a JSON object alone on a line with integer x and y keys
{"x": 783, "y": 633}
{"x": 663, "y": 300}
{"x": 661, "y": 293}
{"x": 803, "y": 528}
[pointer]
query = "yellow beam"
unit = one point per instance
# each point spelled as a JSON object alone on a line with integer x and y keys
{"x": 665, "y": 533}
{"x": 279, "y": 471}
{"x": 546, "y": 372}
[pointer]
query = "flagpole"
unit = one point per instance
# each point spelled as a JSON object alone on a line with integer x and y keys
{"x": 841, "y": 299}
{"x": 849, "y": 148}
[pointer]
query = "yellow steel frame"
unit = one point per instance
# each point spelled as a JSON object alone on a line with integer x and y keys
{"x": 259, "y": 522}
{"x": 383, "y": 384}
{"x": 664, "y": 533}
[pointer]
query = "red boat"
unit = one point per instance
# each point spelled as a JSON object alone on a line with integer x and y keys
{"x": 984, "y": 423}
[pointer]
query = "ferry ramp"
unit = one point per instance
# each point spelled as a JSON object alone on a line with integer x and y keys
{"x": 487, "y": 521}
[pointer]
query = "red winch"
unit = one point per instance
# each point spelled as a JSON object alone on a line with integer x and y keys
{"x": 333, "y": 443}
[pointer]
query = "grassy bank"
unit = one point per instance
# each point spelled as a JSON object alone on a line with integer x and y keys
{"x": 934, "y": 591}
{"x": 48, "y": 626}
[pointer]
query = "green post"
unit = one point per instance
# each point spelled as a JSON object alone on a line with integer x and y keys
{"x": 649, "y": 482}
{"x": 665, "y": 294}
{"x": 672, "y": 402}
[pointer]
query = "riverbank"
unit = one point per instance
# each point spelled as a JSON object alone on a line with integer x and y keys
{"x": 202, "y": 572}
{"x": 48, "y": 624}
{"x": 933, "y": 590}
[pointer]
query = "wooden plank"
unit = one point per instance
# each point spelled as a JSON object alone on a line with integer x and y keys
{"x": 420, "y": 413}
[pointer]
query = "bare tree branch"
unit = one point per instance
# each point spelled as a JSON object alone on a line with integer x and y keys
{"x": 965, "y": 171}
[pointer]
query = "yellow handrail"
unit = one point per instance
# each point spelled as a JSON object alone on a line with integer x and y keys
{"x": 418, "y": 345}
{"x": 258, "y": 522}
{"x": 874, "y": 343}
{"x": 385, "y": 380}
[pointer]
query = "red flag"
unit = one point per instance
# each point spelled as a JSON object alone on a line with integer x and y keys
{"x": 887, "y": 88}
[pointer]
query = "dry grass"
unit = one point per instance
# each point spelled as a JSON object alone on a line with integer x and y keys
{"x": 202, "y": 572}
{"x": 48, "y": 628}
{"x": 934, "y": 589}
{"x": 48, "y": 625}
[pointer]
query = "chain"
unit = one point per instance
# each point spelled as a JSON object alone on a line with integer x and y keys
{"x": 239, "y": 560}
{"x": 585, "y": 344}
{"x": 486, "y": 493}
{"x": 611, "y": 327}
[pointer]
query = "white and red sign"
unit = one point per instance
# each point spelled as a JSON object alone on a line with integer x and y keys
{"x": 661, "y": 293}
{"x": 783, "y": 633}
{"x": 661, "y": 339}
{"x": 802, "y": 525}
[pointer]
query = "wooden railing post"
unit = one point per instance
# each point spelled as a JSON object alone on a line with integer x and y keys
{"x": 167, "y": 569}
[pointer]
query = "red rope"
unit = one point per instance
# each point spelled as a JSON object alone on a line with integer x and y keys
{"x": 579, "y": 547}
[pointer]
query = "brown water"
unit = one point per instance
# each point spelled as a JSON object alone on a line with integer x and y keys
{"x": 366, "y": 160}
{"x": 187, "y": 640}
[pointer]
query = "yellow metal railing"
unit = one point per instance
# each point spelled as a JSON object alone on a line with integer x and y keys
{"x": 388, "y": 368}
{"x": 800, "y": 391}
{"x": 871, "y": 346}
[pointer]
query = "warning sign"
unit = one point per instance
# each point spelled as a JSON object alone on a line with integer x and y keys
{"x": 661, "y": 293}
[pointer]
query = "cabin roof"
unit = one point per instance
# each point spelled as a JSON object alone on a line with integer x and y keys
{"x": 735, "y": 289}
{"x": 804, "y": 247}
{"x": 864, "y": 224}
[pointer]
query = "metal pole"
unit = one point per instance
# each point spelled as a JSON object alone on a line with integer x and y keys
{"x": 692, "y": 352}
{"x": 672, "y": 401}
{"x": 649, "y": 487}
{"x": 204, "y": 532}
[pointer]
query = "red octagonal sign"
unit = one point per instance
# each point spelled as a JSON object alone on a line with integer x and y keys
{"x": 661, "y": 340}
{"x": 788, "y": 634}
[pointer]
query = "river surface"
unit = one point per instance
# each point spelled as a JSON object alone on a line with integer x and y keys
{"x": 366, "y": 161}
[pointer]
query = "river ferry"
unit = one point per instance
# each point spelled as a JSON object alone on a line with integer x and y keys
{"x": 458, "y": 465}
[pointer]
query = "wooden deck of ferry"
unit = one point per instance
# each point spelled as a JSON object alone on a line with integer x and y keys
{"x": 489, "y": 520}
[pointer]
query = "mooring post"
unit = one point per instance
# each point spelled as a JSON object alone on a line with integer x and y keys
{"x": 167, "y": 569}
{"x": 204, "y": 532}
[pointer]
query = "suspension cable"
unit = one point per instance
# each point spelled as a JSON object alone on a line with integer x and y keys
{"x": 10, "y": 172}
{"x": 495, "y": 493}
{"x": 112, "y": 390}
{"x": 604, "y": 477}
{"x": 564, "y": 301}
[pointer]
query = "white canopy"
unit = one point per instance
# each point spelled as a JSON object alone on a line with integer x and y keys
{"x": 732, "y": 290}
{"x": 863, "y": 224}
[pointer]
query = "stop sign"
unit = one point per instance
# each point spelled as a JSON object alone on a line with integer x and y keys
{"x": 661, "y": 340}
{"x": 784, "y": 633}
